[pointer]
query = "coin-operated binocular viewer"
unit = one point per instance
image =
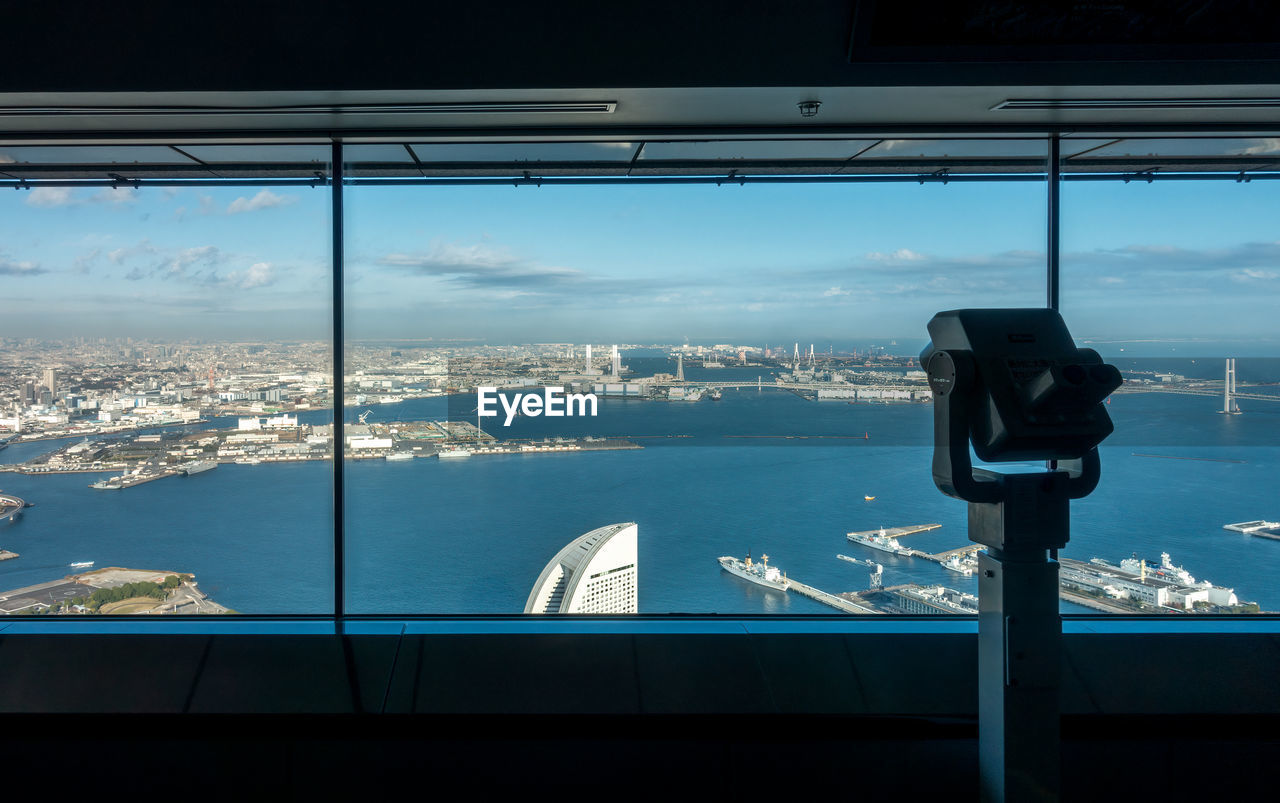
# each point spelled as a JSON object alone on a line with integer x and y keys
{"x": 1012, "y": 383}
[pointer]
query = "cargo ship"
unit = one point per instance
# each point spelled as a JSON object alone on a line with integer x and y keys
{"x": 199, "y": 467}
{"x": 394, "y": 456}
{"x": 759, "y": 573}
{"x": 453, "y": 453}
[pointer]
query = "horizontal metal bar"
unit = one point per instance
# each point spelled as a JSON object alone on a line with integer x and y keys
{"x": 722, "y": 179}
{"x": 535, "y": 181}
{"x": 26, "y": 183}
{"x": 353, "y": 135}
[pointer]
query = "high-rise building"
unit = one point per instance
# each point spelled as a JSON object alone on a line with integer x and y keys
{"x": 51, "y": 379}
{"x": 616, "y": 364}
{"x": 28, "y": 393}
{"x": 595, "y": 573}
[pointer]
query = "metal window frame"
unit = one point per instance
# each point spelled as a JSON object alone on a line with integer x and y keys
{"x": 341, "y": 621}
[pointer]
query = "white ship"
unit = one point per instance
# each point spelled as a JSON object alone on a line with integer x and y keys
{"x": 84, "y": 564}
{"x": 199, "y": 466}
{"x": 881, "y": 541}
{"x": 394, "y": 456}
{"x": 445, "y": 454}
{"x": 248, "y": 461}
{"x": 961, "y": 565}
{"x": 760, "y": 573}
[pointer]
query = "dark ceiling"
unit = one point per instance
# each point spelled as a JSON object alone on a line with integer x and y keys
{"x": 294, "y": 45}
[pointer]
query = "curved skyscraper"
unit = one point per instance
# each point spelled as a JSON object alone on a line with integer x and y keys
{"x": 595, "y": 573}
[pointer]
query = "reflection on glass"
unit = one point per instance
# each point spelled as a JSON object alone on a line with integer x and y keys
{"x": 89, "y": 154}
{"x": 792, "y": 150}
{"x": 1176, "y": 285}
{"x": 956, "y": 149}
{"x": 561, "y": 396}
{"x": 165, "y": 401}
{"x": 1188, "y": 147}
{"x": 526, "y": 152}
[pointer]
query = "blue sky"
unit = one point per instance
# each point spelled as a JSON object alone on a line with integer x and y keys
{"x": 1173, "y": 264}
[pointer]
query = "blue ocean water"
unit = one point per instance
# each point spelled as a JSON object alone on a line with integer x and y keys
{"x": 470, "y": 536}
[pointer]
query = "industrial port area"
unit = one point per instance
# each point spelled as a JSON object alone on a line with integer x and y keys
{"x": 1134, "y": 585}
{"x": 95, "y": 387}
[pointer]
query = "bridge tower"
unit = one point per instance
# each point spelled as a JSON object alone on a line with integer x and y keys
{"x": 1229, "y": 405}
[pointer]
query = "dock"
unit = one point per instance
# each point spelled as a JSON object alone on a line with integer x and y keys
{"x": 818, "y": 595}
{"x": 897, "y": 532}
{"x": 1258, "y": 529}
{"x": 943, "y": 557}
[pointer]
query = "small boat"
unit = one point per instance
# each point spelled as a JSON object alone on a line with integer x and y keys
{"x": 868, "y": 499}
{"x": 83, "y": 564}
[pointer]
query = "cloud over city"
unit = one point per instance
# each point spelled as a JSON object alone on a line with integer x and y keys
{"x": 481, "y": 266}
{"x": 265, "y": 199}
{"x": 11, "y": 268}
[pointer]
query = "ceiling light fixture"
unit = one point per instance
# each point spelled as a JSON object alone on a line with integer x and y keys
{"x": 1121, "y": 104}
{"x": 809, "y": 108}
{"x": 518, "y": 107}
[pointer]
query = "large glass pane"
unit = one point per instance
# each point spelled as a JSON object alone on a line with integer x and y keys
{"x": 1176, "y": 283}
{"x": 165, "y": 401}
{"x": 765, "y": 398}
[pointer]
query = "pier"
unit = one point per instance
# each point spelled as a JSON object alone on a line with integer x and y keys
{"x": 943, "y": 557}
{"x": 1258, "y": 529}
{"x": 896, "y": 532}
{"x": 818, "y": 595}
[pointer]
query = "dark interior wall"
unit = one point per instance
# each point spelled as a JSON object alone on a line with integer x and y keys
{"x": 148, "y": 45}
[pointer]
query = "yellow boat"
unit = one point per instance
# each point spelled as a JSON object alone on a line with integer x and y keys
{"x": 869, "y": 498}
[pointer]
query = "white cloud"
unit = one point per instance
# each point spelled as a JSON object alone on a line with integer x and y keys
{"x": 49, "y": 197}
{"x": 1255, "y": 275}
{"x": 265, "y": 199}
{"x": 901, "y": 255}
{"x": 257, "y": 275}
{"x": 755, "y": 306}
{"x": 9, "y": 268}
{"x": 835, "y": 291}
{"x": 481, "y": 265}
{"x": 115, "y": 197}
{"x": 142, "y": 248}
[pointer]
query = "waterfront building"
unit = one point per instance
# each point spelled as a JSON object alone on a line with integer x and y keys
{"x": 595, "y": 573}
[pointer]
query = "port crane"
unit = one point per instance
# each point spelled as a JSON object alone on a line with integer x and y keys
{"x": 364, "y": 416}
